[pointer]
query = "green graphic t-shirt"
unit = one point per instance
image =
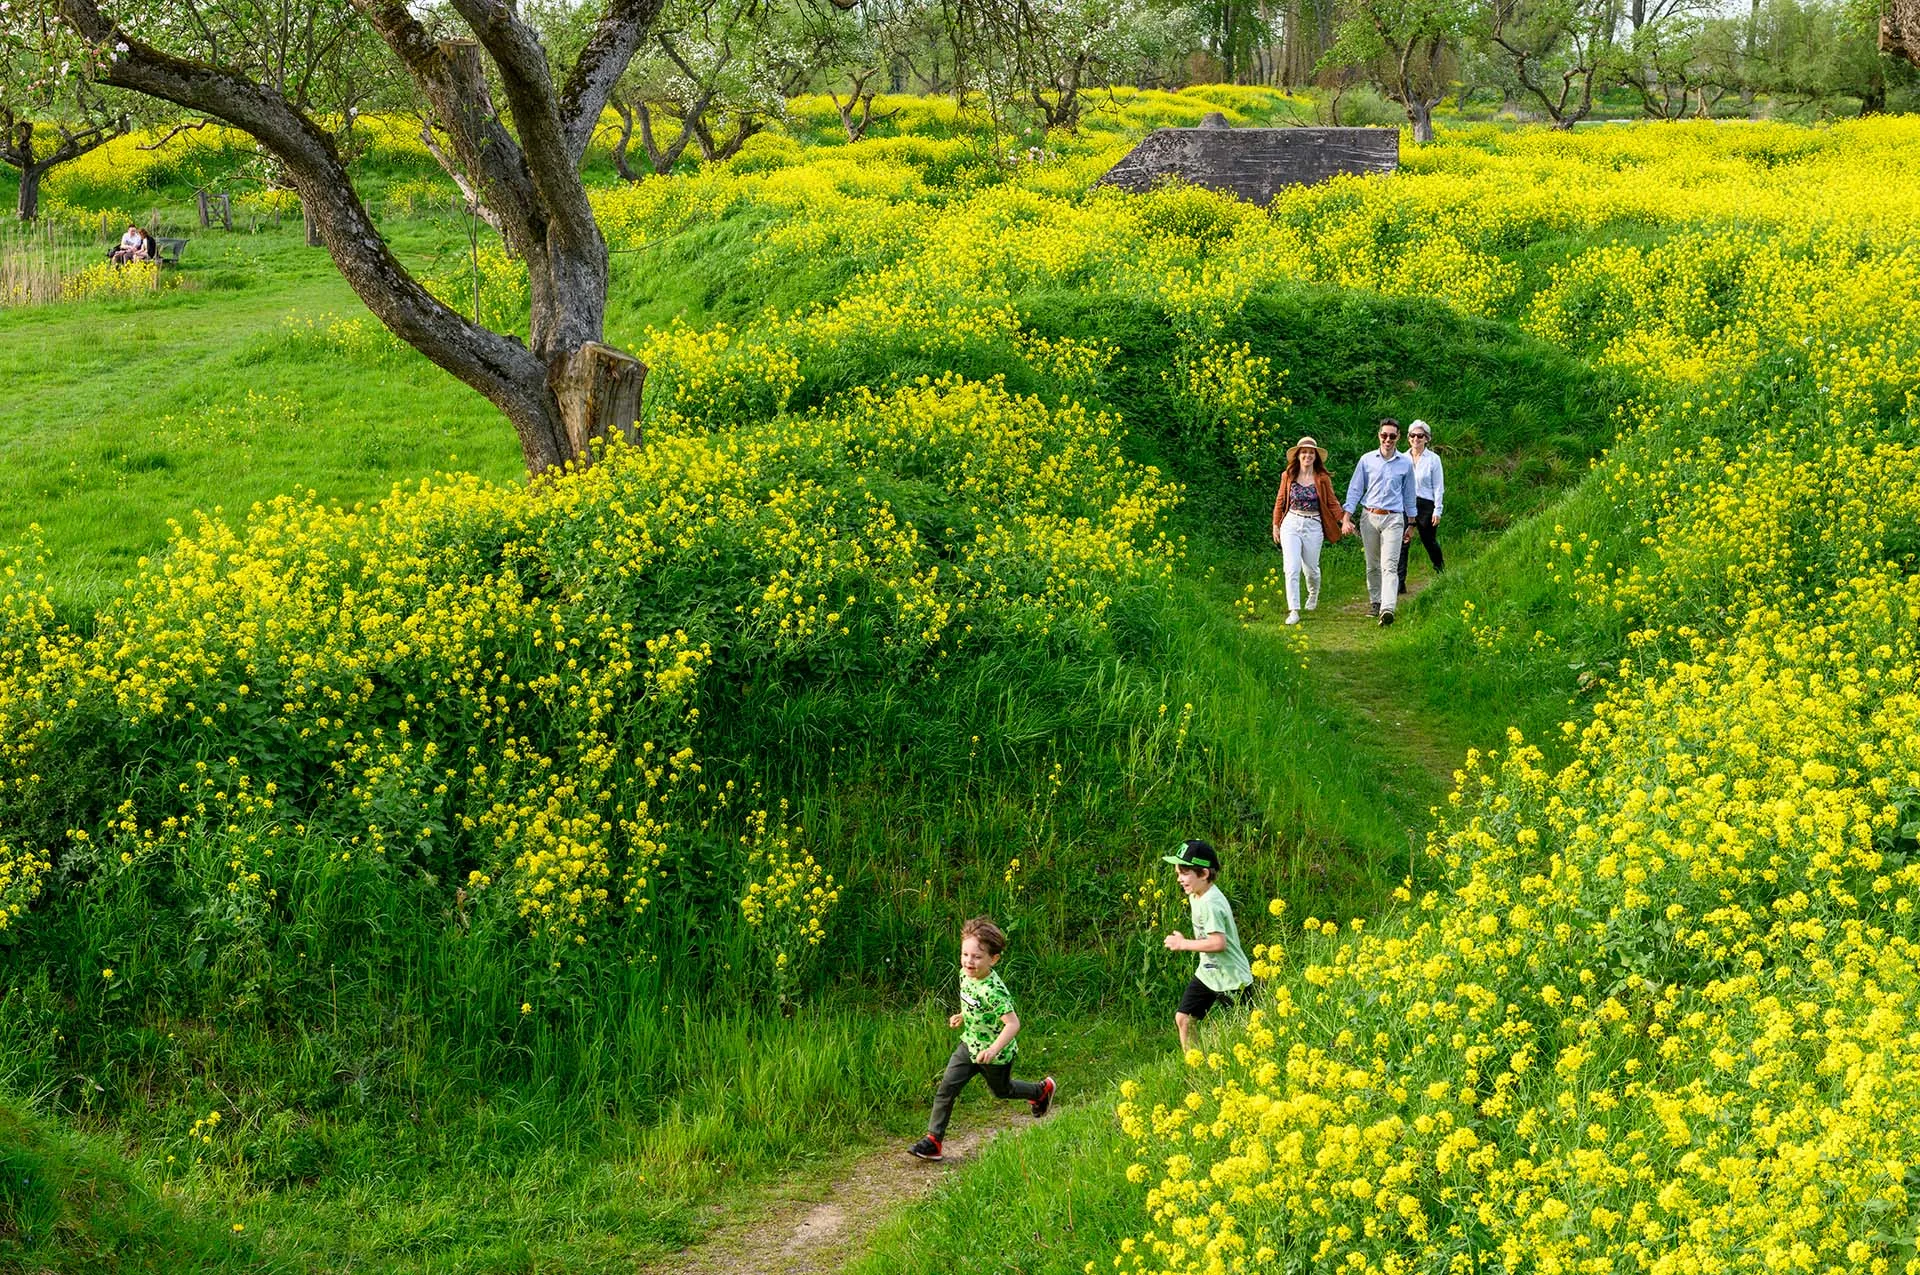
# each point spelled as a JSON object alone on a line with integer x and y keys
{"x": 1226, "y": 969}
{"x": 983, "y": 1002}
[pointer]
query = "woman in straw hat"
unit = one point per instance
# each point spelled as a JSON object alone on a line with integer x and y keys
{"x": 1306, "y": 514}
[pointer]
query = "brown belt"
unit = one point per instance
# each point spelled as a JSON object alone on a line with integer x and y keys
{"x": 1383, "y": 512}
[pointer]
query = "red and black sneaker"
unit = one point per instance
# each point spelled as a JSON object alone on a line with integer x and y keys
{"x": 1045, "y": 1099}
{"x": 928, "y": 1148}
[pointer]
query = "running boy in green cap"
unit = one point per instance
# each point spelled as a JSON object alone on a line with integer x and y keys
{"x": 1224, "y": 974}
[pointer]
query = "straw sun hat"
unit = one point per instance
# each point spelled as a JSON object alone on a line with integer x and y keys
{"x": 1306, "y": 440}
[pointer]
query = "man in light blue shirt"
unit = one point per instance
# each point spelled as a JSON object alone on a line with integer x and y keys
{"x": 1380, "y": 495}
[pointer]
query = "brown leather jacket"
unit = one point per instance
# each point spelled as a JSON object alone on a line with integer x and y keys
{"x": 1330, "y": 510}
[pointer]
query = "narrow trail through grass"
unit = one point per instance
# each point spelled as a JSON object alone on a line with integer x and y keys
{"x": 813, "y": 1225}
{"x": 1367, "y": 671}
{"x": 1363, "y": 677}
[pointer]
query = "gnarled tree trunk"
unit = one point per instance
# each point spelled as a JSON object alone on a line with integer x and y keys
{"x": 1900, "y": 30}
{"x": 1420, "y": 115}
{"x": 563, "y": 387}
{"x": 27, "y": 206}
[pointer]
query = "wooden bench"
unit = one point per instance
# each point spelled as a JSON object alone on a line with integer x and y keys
{"x": 169, "y": 250}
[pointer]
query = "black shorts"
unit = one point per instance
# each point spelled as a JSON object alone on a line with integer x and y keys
{"x": 1199, "y": 999}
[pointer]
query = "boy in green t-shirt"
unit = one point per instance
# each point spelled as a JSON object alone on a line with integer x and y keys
{"x": 1224, "y": 974}
{"x": 987, "y": 1026}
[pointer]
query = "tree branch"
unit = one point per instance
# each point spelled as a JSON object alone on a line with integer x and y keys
{"x": 174, "y": 132}
{"x": 452, "y": 77}
{"x": 522, "y": 63}
{"x": 617, "y": 36}
{"x": 496, "y": 366}
{"x": 475, "y": 203}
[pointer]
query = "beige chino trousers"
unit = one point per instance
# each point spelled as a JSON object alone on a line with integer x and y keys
{"x": 1381, "y": 536}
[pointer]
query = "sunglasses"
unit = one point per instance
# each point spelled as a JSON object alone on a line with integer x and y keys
{"x": 1389, "y": 434}
{"x": 1419, "y": 434}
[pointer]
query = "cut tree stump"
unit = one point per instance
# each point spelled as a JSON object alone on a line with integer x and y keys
{"x": 599, "y": 392}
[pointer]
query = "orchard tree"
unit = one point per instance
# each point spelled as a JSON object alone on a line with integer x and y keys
{"x": 1560, "y": 53}
{"x": 1410, "y": 48}
{"x": 1235, "y": 31}
{"x": 854, "y": 50}
{"x": 518, "y": 130}
{"x": 1817, "y": 54}
{"x": 712, "y": 75}
{"x": 1307, "y": 30}
{"x": 1040, "y": 59}
{"x": 50, "y": 111}
{"x": 1686, "y": 66}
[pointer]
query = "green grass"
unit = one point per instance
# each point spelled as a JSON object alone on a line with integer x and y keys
{"x": 1037, "y": 1204}
{"x": 124, "y": 416}
{"x": 407, "y": 1129}
{"x": 69, "y": 1203}
{"x": 518, "y": 1181}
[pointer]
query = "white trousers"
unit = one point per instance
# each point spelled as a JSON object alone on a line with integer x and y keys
{"x": 1381, "y": 536}
{"x": 1300, "y": 541}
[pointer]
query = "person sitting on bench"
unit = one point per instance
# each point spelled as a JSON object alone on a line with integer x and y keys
{"x": 135, "y": 245}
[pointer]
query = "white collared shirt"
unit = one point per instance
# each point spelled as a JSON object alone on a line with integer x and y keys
{"x": 1429, "y": 479}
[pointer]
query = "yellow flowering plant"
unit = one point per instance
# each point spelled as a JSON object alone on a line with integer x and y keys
{"x": 1654, "y": 1013}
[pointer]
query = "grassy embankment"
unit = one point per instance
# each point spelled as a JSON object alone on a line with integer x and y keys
{"x": 1655, "y": 1013}
{"x": 363, "y": 1118}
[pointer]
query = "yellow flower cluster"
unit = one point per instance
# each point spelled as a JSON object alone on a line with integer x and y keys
{"x": 127, "y": 170}
{"x": 422, "y": 196}
{"x": 361, "y": 337}
{"x": 20, "y": 873}
{"x": 787, "y": 903}
{"x": 487, "y": 286}
{"x": 1237, "y": 392}
{"x": 104, "y": 279}
{"x": 204, "y": 1128}
{"x": 501, "y": 685}
{"x": 698, "y": 380}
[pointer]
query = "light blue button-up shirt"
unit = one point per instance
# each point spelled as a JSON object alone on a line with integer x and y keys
{"x": 1380, "y": 483}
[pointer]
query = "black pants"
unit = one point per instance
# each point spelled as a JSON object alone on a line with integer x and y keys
{"x": 960, "y": 1069}
{"x": 1199, "y": 999}
{"x": 1423, "y": 523}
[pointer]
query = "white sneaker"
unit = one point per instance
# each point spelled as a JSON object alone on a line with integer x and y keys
{"x": 1313, "y": 601}
{"x": 1293, "y": 617}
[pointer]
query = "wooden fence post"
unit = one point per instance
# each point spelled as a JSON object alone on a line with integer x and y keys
{"x": 200, "y": 204}
{"x": 226, "y": 212}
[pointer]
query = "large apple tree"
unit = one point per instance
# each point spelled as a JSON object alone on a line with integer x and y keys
{"x": 564, "y": 386}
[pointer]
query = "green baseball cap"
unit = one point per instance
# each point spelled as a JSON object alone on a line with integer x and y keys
{"x": 1194, "y": 853}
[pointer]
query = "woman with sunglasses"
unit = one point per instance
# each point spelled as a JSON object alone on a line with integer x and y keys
{"x": 1306, "y": 514}
{"x": 1429, "y": 494}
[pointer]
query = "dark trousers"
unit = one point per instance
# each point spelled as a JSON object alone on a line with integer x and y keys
{"x": 960, "y": 1069}
{"x": 1423, "y": 523}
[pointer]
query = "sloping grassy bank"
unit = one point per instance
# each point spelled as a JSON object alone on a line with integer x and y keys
{"x": 1655, "y": 1012}
{"x": 464, "y": 813}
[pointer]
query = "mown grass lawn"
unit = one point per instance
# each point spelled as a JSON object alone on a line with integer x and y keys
{"x": 122, "y": 416}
